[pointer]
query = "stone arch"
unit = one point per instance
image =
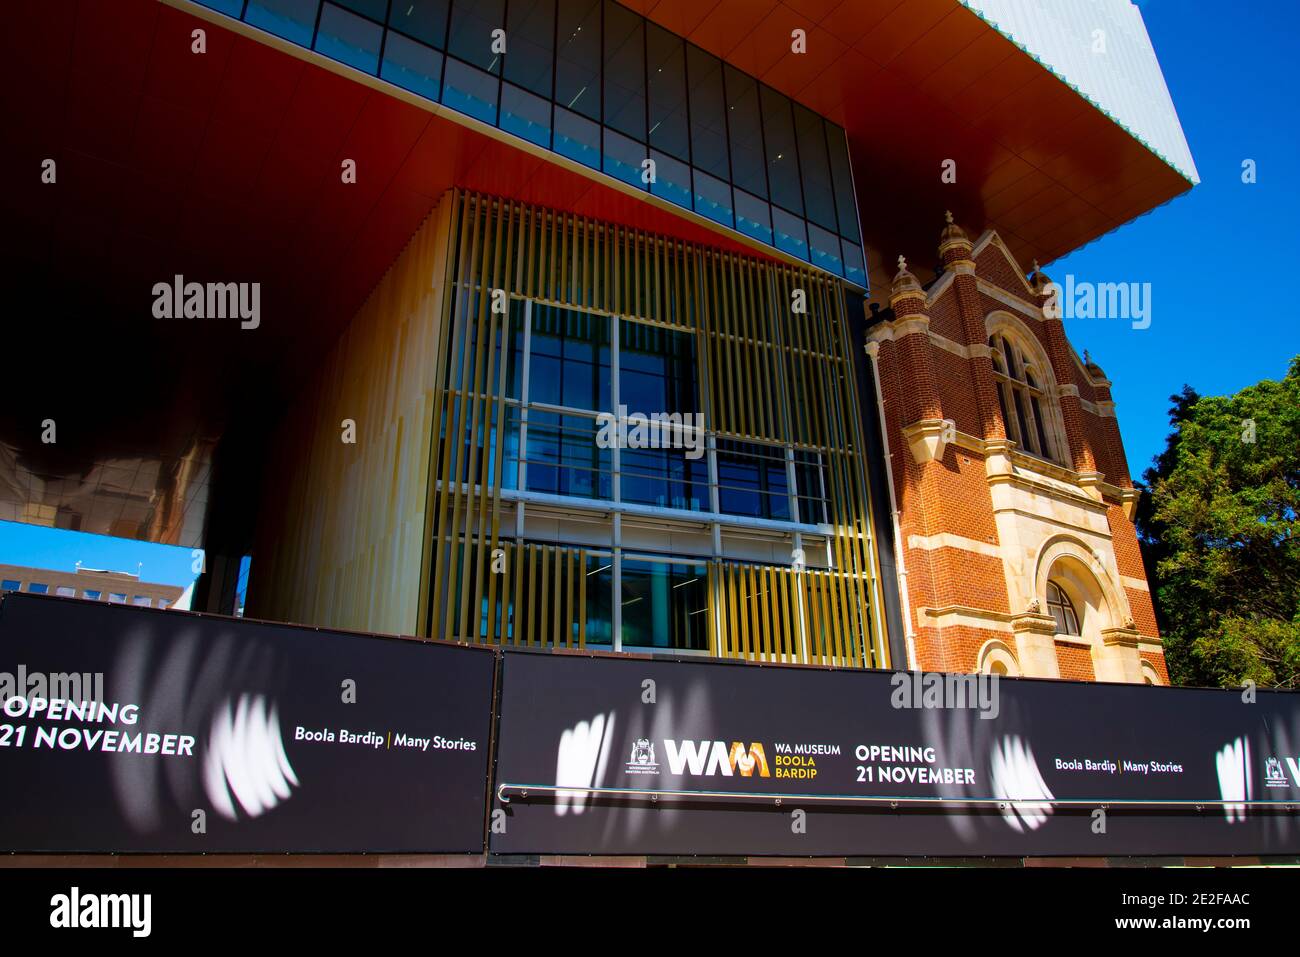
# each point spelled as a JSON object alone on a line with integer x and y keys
{"x": 1080, "y": 574}
{"x": 996, "y": 657}
{"x": 1149, "y": 673}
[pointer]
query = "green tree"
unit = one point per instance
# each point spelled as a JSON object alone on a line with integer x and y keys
{"x": 1219, "y": 528}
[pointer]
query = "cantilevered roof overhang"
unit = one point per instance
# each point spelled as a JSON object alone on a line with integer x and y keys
{"x": 225, "y": 167}
{"x": 1055, "y": 113}
{"x": 220, "y": 167}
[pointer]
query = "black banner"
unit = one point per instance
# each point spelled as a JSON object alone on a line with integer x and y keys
{"x": 778, "y": 761}
{"x": 136, "y": 730}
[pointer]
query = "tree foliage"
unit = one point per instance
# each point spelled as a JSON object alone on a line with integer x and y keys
{"x": 1219, "y": 534}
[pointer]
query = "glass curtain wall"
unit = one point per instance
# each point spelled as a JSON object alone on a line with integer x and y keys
{"x": 601, "y": 85}
{"x": 553, "y": 521}
{"x": 565, "y": 380}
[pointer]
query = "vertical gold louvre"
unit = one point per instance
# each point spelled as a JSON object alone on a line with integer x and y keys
{"x": 770, "y": 375}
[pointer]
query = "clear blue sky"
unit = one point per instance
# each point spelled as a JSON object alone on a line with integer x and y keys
{"x": 60, "y": 550}
{"x": 1213, "y": 254}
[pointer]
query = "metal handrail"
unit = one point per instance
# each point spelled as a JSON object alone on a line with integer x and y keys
{"x": 504, "y": 790}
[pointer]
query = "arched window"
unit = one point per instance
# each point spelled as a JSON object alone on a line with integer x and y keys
{"x": 1061, "y": 608}
{"x": 995, "y": 658}
{"x": 1022, "y": 397}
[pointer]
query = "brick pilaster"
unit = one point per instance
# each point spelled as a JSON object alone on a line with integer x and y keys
{"x": 955, "y": 251}
{"x": 1059, "y": 353}
{"x": 912, "y": 325}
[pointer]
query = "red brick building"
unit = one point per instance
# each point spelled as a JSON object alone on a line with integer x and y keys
{"x": 1012, "y": 495}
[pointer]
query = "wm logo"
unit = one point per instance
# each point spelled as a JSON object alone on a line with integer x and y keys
{"x": 713, "y": 757}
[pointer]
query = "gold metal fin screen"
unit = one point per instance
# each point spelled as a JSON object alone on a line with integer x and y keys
{"x": 768, "y": 373}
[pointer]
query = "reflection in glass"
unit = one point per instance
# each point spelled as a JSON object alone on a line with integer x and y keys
{"x": 665, "y": 605}
{"x": 563, "y": 456}
{"x": 425, "y": 20}
{"x": 752, "y": 480}
{"x": 295, "y": 20}
{"x": 666, "y": 72}
{"x": 472, "y": 23}
{"x": 374, "y": 9}
{"x": 672, "y": 179}
{"x": 814, "y": 166}
{"x": 412, "y": 65}
{"x": 525, "y": 115}
{"x": 825, "y": 250}
{"x": 577, "y": 59}
{"x": 656, "y": 369}
{"x": 790, "y": 233}
{"x": 810, "y": 478}
{"x": 713, "y": 199}
{"x": 470, "y": 91}
{"x": 664, "y": 478}
{"x": 231, "y": 8}
{"x": 348, "y": 38}
{"x": 600, "y": 594}
{"x": 842, "y": 177}
{"x": 624, "y": 70}
{"x": 855, "y": 268}
{"x": 782, "y": 155}
{"x": 745, "y": 132}
{"x": 530, "y": 26}
{"x": 623, "y": 159}
{"x": 570, "y": 359}
{"x": 708, "y": 114}
{"x": 577, "y": 137}
{"x": 753, "y": 217}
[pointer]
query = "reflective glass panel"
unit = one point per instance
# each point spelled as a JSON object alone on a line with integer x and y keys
{"x": 412, "y": 66}
{"x": 753, "y": 217}
{"x": 752, "y": 480}
{"x": 708, "y": 107}
{"x": 672, "y": 179}
{"x": 577, "y": 137}
{"x": 814, "y": 167}
{"x": 782, "y": 155}
{"x": 564, "y": 458}
{"x": 745, "y": 132}
{"x": 842, "y": 176}
{"x": 713, "y": 199}
{"x": 294, "y": 20}
{"x": 624, "y": 70}
{"x": 525, "y": 115}
{"x": 570, "y": 359}
{"x": 656, "y": 369}
{"x": 665, "y": 605}
{"x": 623, "y": 159}
{"x": 349, "y": 38}
{"x": 471, "y": 91}
{"x": 666, "y": 75}
{"x": 577, "y": 57}
{"x": 530, "y": 28}
{"x": 425, "y": 20}
{"x": 472, "y": 24}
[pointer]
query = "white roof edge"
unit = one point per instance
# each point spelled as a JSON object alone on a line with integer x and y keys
{"x": 1115, "y": 70}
